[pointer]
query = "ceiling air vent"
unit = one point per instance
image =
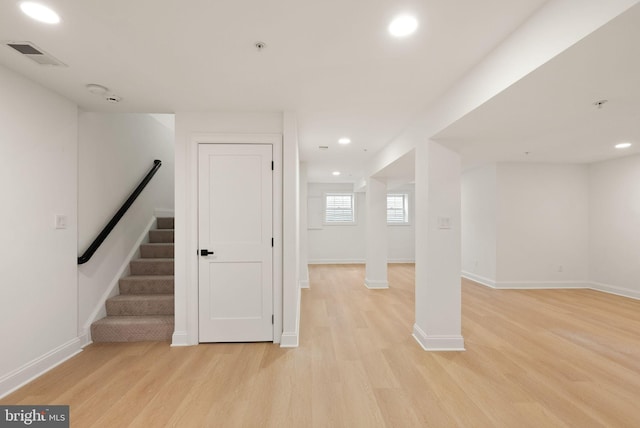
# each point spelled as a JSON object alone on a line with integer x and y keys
{"x": 34, "y": 53}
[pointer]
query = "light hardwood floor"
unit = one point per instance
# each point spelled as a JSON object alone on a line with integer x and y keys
{"x": 544, "y": 358}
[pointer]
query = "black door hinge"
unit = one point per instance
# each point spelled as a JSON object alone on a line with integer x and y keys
{"x": 272, "y": 166}
{"x": 271, "y": 319}
{"x": 272, "y": 242}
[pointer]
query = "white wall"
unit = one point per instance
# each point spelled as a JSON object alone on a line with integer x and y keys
{"x": 115, "y": 153}
{"x": 614, "y": 226}
{"x": 304, "y": 236}
{"x": 38, "y": 179}
{"x": 190, "y": 128}
{"x": 401, "y": 239}
{"x": 336, "y": 243}
{"x": 291, "y": 232}
{"x": 479, "y": 201}
{"x": 346, "y": 243}
{"x": 542, "y": 217}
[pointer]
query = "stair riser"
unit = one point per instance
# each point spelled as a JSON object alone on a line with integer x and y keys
{"x": 151, "y": 267}
{"x": 156, "y": 251}
{"x": 161, "y": 236}
{"x": 131, "y": 333}
{"x": 151, "y": 286}
{"x": 120, "y": 308}
{"x": 165, "y": 223}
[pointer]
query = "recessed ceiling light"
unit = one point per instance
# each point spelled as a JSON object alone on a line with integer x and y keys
{"x": 39, "y": 12}
{"x": 403, "y": 25}
{"x": 336, "y": 173}
{"x": 623, "y": 145}
{"x": 344, "y": 140}
{"x": 97, "y": 89}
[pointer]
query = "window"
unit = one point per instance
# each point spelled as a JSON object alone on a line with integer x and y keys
{"x": 398, "y": 208}
{"x": 339, "y": 208}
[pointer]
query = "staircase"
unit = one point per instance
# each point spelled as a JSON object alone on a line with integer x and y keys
{"x": 144, "y": 309}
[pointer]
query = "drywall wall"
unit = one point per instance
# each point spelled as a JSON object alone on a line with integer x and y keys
{"x": 614, "y": 226}
{"x": 115, "y": 152}
{"x": 291, "y": 232}
{"x": 346, "y": 243}
{"x": 38, "y": 179}
{"x": 478, "y": 190}
{"x": 542, "y": 225}
{"x": 191, "y": 129}
{"x": 335, "y": 243}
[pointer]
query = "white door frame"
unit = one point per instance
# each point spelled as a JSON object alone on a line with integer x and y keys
{"x": 192, "y": 224}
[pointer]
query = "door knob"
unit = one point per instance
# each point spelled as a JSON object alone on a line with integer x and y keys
{"x": 205, "y": 252}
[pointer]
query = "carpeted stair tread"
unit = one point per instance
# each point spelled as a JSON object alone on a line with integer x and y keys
{"x": 165, "y": 222}
{"x": 133, "y": 328}
{"x": 161, "y": 236}
{"x": 140, "y": 305}
{"x": 147, "y": 284}
{"x": 157, "y": 250}
{"x": 159, "y": 266}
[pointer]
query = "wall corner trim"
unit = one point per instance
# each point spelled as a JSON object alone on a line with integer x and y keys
{"x": 375, "y": 285}
{"x": 291, "y": 339}
{"x": 437, "y": 343}
{"x": 39, "y": 366}
{"x": 479, "y": 279}
{"x": 180, "y": 338}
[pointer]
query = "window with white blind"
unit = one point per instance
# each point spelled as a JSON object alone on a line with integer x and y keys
{"x": 398, "y": 208}
{"x": 339, "y": 208}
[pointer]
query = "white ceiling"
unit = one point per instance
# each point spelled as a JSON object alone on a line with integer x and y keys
{"x": 550, "y": 113}
{"x": 330, "y": 61}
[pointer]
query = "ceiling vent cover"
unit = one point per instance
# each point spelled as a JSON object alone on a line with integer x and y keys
{"x": 35, "y": 54}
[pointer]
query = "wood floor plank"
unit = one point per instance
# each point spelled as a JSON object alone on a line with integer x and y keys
{"x": 534, "y": 358}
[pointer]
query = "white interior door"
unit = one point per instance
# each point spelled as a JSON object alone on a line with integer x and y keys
{"x": 235, "y": 226}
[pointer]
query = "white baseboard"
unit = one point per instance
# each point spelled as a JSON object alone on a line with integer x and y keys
{"x": 375, "y": 285}
{"x": 401, "y": 260}
{"x": 35, "y": 368}
{"x": 180, "y": 338}
{"x": 553, "y": 285}
{"x": 291, "y": 339}
{"x": 539, "y": 285}
{"x": 479, "y": 279}
{"x": 437, "y": 343}
{"x": 85, "y": 339}
{"x": 612, "y": 289}
{"x": 100, "y": 311}
{"x": 337, "y": 262}
{"x": 304, "y": 283}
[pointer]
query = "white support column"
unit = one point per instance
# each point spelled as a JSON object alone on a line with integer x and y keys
{"x": 376, "y": 235}
{"x": 438, "y": 253}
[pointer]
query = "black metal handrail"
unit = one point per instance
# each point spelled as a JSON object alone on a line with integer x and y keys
{"x": 116, "y": 218}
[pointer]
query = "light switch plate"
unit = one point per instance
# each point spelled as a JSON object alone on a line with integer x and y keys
{"x": 444, "y": 222}
{"x": 60, "y": 221}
